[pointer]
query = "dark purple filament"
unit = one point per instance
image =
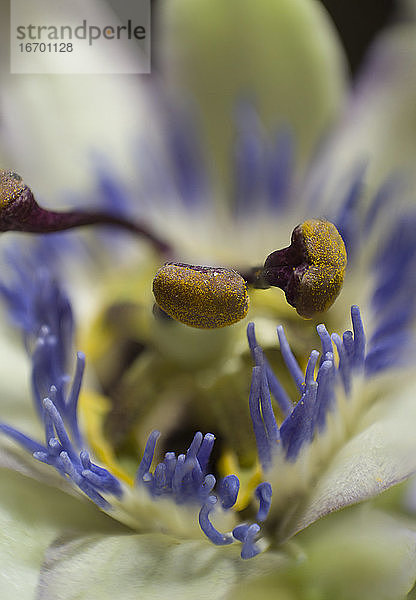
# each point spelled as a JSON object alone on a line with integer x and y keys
{"x": 20, "y": 212}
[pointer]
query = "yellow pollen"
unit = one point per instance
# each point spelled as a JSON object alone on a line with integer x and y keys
{"x": 322, "y": 281}
{"x": 11, "y": 186}
{"x": 199, "y": 296}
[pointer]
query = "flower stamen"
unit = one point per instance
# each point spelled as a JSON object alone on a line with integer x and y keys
{"x": 19, "y": 211}
{"x": 201, "y": 296}
{"x": 311, "y": 270}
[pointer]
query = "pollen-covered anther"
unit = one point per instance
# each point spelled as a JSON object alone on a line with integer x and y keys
{"x": 201, "y": 296}
{"x": 311, "y": 270}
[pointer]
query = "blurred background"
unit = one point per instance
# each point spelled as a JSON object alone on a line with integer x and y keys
{"x": 74, "y": 116}
{"x": 357, "y": 22}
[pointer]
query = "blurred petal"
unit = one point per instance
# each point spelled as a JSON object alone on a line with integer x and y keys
{"x": 151, "y": 566}
{"x": 379, "y": 125}
{"x": 50, "y": 125}
{"x": 32, "y": 515}
{"x": 281, "y": 54}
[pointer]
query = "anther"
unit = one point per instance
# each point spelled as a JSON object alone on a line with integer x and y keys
{"x": 311, "y": 270}
{"x": 200, "y": 296}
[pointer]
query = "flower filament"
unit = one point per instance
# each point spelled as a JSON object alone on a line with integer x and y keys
{"x": 19, "y": 211}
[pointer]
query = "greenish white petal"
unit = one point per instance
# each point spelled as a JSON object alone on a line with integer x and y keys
{"x": 149, "y": 567}
{"x": 68, "y": 117}
{"x": 379, "y": 124}
{"x": 32, "y": 515}
{"x": 379, "y": 454}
